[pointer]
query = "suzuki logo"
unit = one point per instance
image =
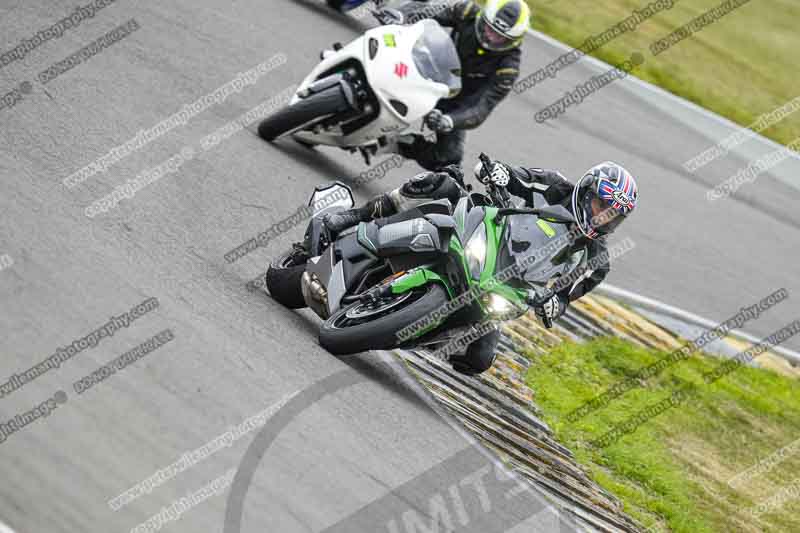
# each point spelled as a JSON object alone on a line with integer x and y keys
{"x": 401, "y": 70}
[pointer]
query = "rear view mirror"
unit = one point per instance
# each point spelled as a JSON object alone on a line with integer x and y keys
{"x": 556, "y": 213}
{"x": 551, "y": 213}
{"x": 332, "y": 197}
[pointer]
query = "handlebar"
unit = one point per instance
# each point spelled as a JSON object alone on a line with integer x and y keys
{"x": 506, "y": 211}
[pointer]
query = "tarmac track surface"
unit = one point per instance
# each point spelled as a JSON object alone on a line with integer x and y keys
{"x": 236, "y": 352}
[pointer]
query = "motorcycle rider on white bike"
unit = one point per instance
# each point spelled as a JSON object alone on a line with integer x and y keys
{"x": 488, "y": 42}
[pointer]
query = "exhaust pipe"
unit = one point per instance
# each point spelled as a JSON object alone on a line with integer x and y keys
{"x": 315, "y": 294}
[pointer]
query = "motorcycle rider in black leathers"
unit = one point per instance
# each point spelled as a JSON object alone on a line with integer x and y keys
{"x": 599, "y": 202}
{"x": 488, "y": 42}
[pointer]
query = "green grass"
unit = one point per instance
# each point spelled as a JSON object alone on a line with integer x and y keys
{"x": 742, "y": 66}
{"x": 674, "y": 468}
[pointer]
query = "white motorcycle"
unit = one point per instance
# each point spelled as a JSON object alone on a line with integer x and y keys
{"x": 372, "y": 89}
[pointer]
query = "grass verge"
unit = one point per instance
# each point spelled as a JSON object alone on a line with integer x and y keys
{"x": 741, "y": 66}
{"x": 673, "y": 471}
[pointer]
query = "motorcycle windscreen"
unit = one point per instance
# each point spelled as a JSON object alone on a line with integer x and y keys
{"x": 539, "y": 248}
{"x": 329, "y": 198}
{"x": 436, "y": 57}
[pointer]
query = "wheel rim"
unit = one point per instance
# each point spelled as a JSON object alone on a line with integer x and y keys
{"x": 289, "y": 260}
{"x": 366, "y": 311}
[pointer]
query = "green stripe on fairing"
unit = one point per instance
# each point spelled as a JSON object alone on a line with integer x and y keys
{"x": 417, "y": 278}
{"x": 546, "y": 228}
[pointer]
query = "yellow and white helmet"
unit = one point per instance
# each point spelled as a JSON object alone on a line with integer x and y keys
{"x": 501, "y": 24}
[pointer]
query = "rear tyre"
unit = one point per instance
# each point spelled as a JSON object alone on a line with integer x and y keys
{"x": 361, "y": 327}
{"x": 283, "y": 281}
{"x": 302, "y": 112}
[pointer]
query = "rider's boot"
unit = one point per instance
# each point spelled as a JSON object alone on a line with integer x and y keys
{"x": 378, "y": 207}
{"x": 395, "y": 145}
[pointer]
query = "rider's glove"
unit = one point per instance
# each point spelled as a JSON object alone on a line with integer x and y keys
{"x": 388, "y": 16}
{"x": 439, "y": 122}
{"x": 550, "y": 305}
{"x": 499, "y": 176}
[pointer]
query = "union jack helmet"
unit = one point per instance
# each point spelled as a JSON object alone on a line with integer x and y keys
{"x": 612, "y": 185}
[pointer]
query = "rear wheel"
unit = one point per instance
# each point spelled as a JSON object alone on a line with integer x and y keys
{"x": 283, "y": 281}
{"x": 374, "y": 325}
{"x": 302, "y": 113}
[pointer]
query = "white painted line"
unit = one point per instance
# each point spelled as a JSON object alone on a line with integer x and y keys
{"x": 660, "y": 307}
{"x": 5, "y": 529}
{"x": 603, "y": 66}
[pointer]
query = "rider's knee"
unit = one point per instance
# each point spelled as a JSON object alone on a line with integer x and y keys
{"x": 479, "y": 356}
{"x": 425, "y": 187}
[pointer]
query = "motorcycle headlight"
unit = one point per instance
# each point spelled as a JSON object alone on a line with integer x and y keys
{"x": 500, "y": 308}
{"x": 497, "y": 305}
{"x": 476, "y": 252}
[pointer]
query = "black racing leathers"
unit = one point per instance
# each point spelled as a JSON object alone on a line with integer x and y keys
{"x": 486, "y": 78}
{"x": 523, "y": 183}
{"x": 556, "y": 189}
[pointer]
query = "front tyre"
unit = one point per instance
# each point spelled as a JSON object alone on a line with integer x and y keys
{"x": 302, "y": 113}
{"x": 375, "y": 325}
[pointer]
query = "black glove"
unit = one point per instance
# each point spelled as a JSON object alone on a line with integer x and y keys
{"x": 439, "y": 122}
{"x": 388, "y": 16}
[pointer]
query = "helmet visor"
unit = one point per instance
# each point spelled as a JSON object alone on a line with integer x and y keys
{"x": 607, "y": 221}
{"x": 492, "y": 39}
{"x": 598, "y": 212}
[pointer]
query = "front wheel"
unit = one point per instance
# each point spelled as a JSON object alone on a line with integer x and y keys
{"x": 374, "y": 325}
{"x": 303, "y": 113}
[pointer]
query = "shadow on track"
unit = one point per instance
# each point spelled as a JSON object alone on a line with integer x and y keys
{"x": 368, "y": 365}
{"x": 319, "y": 7}
{"x": 329, "y": 167}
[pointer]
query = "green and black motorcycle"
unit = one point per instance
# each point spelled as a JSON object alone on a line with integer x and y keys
{"x": 427, "y": 276}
